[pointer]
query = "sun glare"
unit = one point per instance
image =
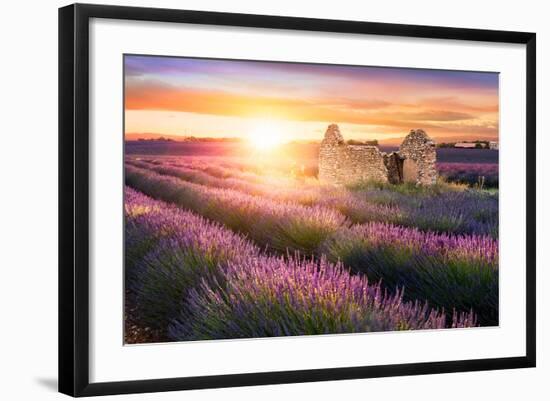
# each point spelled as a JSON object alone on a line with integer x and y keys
{"x": 265, "y": 136}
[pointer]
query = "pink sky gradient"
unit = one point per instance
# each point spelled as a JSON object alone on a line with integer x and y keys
{"x": 223, "y": 98}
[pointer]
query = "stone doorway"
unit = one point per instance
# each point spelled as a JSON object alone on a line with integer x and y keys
{"x": 410, "y": 171}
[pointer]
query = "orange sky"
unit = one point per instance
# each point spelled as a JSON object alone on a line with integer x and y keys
{"x": 222, "y": 98}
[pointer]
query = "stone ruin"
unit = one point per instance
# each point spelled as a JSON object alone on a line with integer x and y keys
{"x": 341, "y": 163}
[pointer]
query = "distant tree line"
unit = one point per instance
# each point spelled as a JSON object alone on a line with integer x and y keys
{"x": 189, "y": 139}
{"x": 160, "y": 139}
{"x": 208, "y": 139}
{"x": 478, "y": 144}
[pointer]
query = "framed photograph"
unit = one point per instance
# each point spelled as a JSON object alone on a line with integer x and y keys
{"x": 251, "y": 199}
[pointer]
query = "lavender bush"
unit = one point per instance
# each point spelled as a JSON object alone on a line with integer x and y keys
{"x": 286, "y": 191}
{"x": 277, "y": 225}
{"x": 449, "y": 271}
{"x": 442, "y": 208}
{"x": 444, "y": 211}
{"x": 193, "y": 263}
{"x": 355, "y": 209}
{"x": 267, "y": 296}
{"x": 213, "y": 262}
{"x": 141, "y": 232}
{"x": 176, "y": 251}
{"x": 468, "y": 212}
{"x": 474, "y": 174}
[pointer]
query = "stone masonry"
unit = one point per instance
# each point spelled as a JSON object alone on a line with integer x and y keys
{"x": 418, "y": 153}
{"x": 340, "y": 163}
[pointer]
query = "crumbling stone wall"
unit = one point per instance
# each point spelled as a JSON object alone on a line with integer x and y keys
{"x": 340, "y": 163}
{"x": 419, "y": 156}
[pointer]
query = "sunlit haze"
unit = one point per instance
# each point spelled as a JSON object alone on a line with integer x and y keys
{"x": 270, "y": 103}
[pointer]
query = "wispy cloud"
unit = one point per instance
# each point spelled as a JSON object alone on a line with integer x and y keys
{"x": 386, "y": 99}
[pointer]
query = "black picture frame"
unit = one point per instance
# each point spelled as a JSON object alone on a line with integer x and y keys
{"x": 74, "y": 198}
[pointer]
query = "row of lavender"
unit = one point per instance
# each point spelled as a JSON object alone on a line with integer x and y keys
{"x": 459, "y": 212}
{"x": 476, "y": 174}
{"x": 471, "y": 173}
{"x": 193, "y": 279}
{"x": 450, "y": 271}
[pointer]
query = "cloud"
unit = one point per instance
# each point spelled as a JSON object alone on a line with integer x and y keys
{"x": 488, "y": 104}
{"x": 383, "y": 106}
{"x": 147, "y": 95}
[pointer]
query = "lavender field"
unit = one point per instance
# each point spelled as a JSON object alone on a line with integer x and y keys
{"x": 219, "y": 244}
{"x": 467, "y": 166}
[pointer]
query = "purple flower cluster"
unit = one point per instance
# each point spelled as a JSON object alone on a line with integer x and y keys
{"x": 441, "y": 211}
{"x": 278, "y": 225}
{"x": 359, "y": 210}
{"x": 470, "y": 173}
{"x": 169, "y": 251}
{"x": 486, "y": 169}
{"x": 281, "y": 190}
{"x": 438, "y": 244}
{"x": 204, "y": 281}
{"x": 375, "y": 235}
{"x": 450, "y": 211}
{"x": 466, "y": 212}
{"x": 267, "y": 296}
{"x": 449, "y": 271}
{"x": 286, "y": 190}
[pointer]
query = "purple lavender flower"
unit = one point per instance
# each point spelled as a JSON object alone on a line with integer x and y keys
{"x": 213, "y": 283}
{"x": 278, "y": 189}
{"x": 470, "y": 173}
{"x": 172, "y": 251}
{"x": 280, "y": 225}
{"x": 455, "y": 272}
{"x": 267, "y": 296}
{"x": 449, "y": 271}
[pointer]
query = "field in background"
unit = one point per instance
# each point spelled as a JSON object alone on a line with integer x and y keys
{"x": 470, "y": 166}
{"x": 222, "y": 242}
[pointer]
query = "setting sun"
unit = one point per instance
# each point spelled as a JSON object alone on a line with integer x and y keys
{"x": 265, "y": 136}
